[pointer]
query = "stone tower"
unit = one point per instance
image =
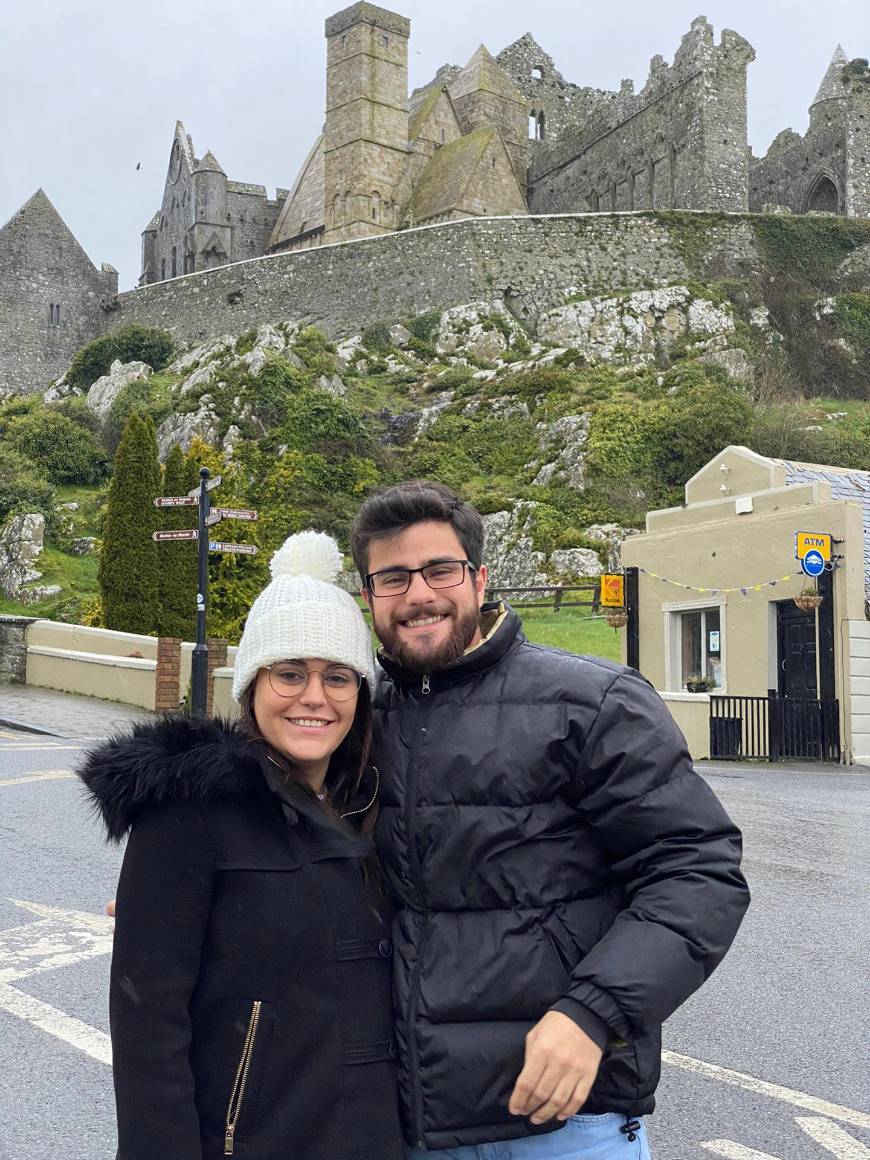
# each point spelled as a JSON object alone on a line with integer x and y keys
{"x": 366, "y": 132}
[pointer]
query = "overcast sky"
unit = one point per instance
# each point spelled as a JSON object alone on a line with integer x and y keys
{"x": 91, "y": 88}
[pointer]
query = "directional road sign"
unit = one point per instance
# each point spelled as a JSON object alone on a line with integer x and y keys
{"x": 805, "y": 542}
{"x": 182, "y": 534}
{"x": 223, "y": 546}
{"x": 172, "y": 501}
{"x": 213, "y": 517}
{"x": 215, "y": 481}
{"x": 813, "y": 563}
{"x": 237, "y": 513}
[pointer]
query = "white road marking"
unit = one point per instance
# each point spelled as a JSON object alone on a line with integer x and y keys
{"x": 77, "y": 1034}
{"x": 61, "y": 939}
{"x": 32, "y": 747}
{"x": 774, "y": 1091}
{"x": 833, "y": 1139}
{"x": 41, "y": 775}
{"x": 732, "y": 1151}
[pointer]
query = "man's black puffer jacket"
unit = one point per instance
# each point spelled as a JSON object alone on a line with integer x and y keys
{"x": 549, "y": 846}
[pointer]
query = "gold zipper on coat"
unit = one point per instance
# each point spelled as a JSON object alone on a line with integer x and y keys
{"x": 237, "y": 1096}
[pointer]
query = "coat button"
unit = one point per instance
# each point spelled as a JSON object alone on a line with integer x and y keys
{"x": 385, "y": 948}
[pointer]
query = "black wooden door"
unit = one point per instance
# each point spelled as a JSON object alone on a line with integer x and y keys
{"x": 796, "y": 719}
{"x": 796, "y": 652}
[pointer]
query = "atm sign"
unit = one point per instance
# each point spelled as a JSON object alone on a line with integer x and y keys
{"x": 812, "y": 542}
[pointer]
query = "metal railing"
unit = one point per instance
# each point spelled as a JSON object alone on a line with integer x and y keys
{"x": 774, "y": 728}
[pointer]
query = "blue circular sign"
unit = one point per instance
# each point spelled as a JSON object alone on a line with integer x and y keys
{"x": 813, "y": 563}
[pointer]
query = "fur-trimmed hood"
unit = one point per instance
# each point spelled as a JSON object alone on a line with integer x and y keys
{"x": 171, "y": 759}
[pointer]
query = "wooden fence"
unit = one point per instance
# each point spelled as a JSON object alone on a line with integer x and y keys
{"x": 546, "y": 595}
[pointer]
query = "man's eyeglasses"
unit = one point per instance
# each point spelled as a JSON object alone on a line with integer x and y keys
{"x": 290, "y": 678}
{"x": 396, "y": 581}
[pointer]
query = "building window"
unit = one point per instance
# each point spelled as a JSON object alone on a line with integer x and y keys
{"x": 697, "y": 648}
{"x": 174, "y": 261}
{"x": 53, "y": 314}
{"x": 538, "y": 72}
{"x": 385, "y": 41}
{"x": 443, "y": 136}
{"x": 162, "y": 269}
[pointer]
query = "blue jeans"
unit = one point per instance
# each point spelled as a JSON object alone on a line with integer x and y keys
{"x": 583, "y": 1137}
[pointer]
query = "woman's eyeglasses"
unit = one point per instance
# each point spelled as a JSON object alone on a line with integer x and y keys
{"x": 290, "y": 678}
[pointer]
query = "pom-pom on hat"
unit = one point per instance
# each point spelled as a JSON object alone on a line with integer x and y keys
{"x": 302, "y": 613}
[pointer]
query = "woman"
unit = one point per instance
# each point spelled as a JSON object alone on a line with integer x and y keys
{"x": 250, "y": 1006}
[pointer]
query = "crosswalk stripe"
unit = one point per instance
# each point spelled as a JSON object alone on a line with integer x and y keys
{"x": 73, "y": 1031}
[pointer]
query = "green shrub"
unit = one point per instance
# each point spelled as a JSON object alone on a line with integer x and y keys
{"x": 178, "y": 561}
{"x": 425, "y": 326}
{"x": 128, "y": 570}
{"x": 377, "y": 338}
{"x": 316, "y": 421}
{"x": 245, "y": 342}
{"x": 22, "y": 488}
{"x": 132, "y": 399}
{"x": 60, "y": 449}
{"x": 128, "y": 343}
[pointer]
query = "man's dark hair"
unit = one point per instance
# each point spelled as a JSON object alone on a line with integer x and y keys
{"x": 392, "y": 509}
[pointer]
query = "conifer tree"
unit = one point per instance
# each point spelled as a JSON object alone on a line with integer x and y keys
{"x": 178, "y": 562}
{"x": 128, "y": 572}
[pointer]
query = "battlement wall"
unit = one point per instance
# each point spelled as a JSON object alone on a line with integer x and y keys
{"x": 529, "y": 262}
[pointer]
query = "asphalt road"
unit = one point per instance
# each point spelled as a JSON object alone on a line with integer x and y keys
{"x": 769, "y": 1061}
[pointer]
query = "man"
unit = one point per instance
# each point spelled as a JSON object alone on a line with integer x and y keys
{"x": 564, "y": 880}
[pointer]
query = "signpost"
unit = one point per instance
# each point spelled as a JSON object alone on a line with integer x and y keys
{"x": 223, "y": 546}
{"x": 813, "y": 563}
{"x": 180, "y": 534}
{"x": 818, "y": 542}
{"x": 172, "y": 501}
{"x": 612, "y": 591}
{"x": 199, "y": 497}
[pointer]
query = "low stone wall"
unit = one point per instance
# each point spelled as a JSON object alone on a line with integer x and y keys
{"x": 13, "y": 648}
{"x": 111, "y": 678}
{"x": 528, "y": 261}
{"x": 691, "y": 711}
{"x": 79, "y": 638}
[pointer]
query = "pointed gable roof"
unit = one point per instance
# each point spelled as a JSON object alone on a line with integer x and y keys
{"x": 39, "y": 216}
{"x": 451, "y": 170}
{"x": 483, "y": 74}
{"x": 832, "y": 83}
{"x": 209, "y": 164}
{"x": 423, "y": 104}
{"x": 305, "y": 203}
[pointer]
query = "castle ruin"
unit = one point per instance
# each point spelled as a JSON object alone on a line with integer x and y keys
{"x": 504, "y": 136}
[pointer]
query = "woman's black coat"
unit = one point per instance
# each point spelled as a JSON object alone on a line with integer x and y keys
{"x": 250, "y": 1006}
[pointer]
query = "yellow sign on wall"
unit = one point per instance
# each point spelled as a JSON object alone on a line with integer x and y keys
{"x": 612, "y": 591}
{"x": 812, "y": 542}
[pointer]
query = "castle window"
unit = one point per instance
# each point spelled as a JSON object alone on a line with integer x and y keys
{"x": 162, "y": 269}
{"x": 53, "y": 314}
{"x": 541, "y": 126}
{"x": 174, "y": 261}
{"x": 533, "y": 126}
{"x": 443, "y": 136}
{"x": 538, "y": 72}
{"x": 376, "y": 205}
{"x": 385, "y": 41}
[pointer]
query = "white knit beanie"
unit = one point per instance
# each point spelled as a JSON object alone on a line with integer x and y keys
{"x": 303, "y": 614}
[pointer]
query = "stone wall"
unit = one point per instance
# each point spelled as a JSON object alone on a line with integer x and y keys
{"x": 529, "y": 262}
{"x": 826, "y": 170}
{"x": 52, "y": 297}
{"x": 678, "y": 143}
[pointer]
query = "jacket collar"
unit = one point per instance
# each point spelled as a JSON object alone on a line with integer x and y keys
{"x": 503, "y": 632}
{"x": 169, "y": 759}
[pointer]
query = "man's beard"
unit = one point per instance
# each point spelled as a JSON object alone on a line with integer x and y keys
{"x": 445, "y": 656}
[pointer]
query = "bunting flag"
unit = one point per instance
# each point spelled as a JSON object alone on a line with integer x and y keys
{"x": 743, "y": 589}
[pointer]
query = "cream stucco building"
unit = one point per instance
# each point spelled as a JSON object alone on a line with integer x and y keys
{"x": 710, "y": 591}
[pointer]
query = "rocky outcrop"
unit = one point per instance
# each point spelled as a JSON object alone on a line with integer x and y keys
{"x": 637, "y": 328}
{"x": 21, "y": 543}
{"x": 105, "y": 390}
{"x": 563, "y": 444}
{"x": 483, "y": 330}
{"x": 508, "y": 549}
{"x": 181, "y": 429}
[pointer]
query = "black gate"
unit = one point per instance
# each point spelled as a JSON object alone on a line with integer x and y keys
{"x": 774, "y": 728}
